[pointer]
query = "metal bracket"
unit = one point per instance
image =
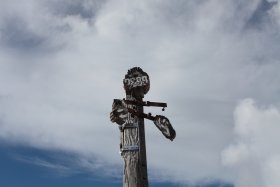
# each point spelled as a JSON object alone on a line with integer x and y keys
{"x": 128, "y": 125}
{"x": 130, "y": 148}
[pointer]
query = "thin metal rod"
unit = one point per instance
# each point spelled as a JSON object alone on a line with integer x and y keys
{"x": 145, "y": 103}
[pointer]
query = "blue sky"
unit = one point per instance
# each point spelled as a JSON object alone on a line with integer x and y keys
{"x": 215, "y": 63}
{"x": 16, "y": 171}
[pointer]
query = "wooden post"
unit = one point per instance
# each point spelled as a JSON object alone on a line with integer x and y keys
{"x": 129, "y": 149}
{"x": 134, "y": 150}
{"x": 136, "y": 84}
{"x": 129, "y": 115}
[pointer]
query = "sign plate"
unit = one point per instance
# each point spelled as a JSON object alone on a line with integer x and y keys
{"x": 136, "y": 81}
{"x": 136, "y": 78}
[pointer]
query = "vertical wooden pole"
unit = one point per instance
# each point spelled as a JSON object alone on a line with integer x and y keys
{"x": 127, "y": 115}
{"x": 130, "y": 149}
{"x": 134, "y": 150}
{"x": 133, "y": 146}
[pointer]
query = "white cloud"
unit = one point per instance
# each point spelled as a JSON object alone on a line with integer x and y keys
{"x": 200, "y": 56}
{"x": 255, "y": 156}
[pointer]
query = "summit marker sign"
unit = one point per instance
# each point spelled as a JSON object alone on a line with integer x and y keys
{"x": 128, "y": 114}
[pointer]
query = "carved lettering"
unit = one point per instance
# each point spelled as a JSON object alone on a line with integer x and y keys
{"x": 138, "y": 81}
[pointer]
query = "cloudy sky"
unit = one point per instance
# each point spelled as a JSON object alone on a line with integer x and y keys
{"x": 216, "y": 64}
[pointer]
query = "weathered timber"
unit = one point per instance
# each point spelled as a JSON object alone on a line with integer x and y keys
{"x": 130, "y": 138}
{"x": 129, "y": 115}
{"x": 135, "y": 162}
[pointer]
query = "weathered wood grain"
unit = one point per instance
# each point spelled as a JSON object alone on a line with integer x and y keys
{"x": 135, "y": 164}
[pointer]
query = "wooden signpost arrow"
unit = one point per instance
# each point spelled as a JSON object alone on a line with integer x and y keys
{"x": 129, "y": 115}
